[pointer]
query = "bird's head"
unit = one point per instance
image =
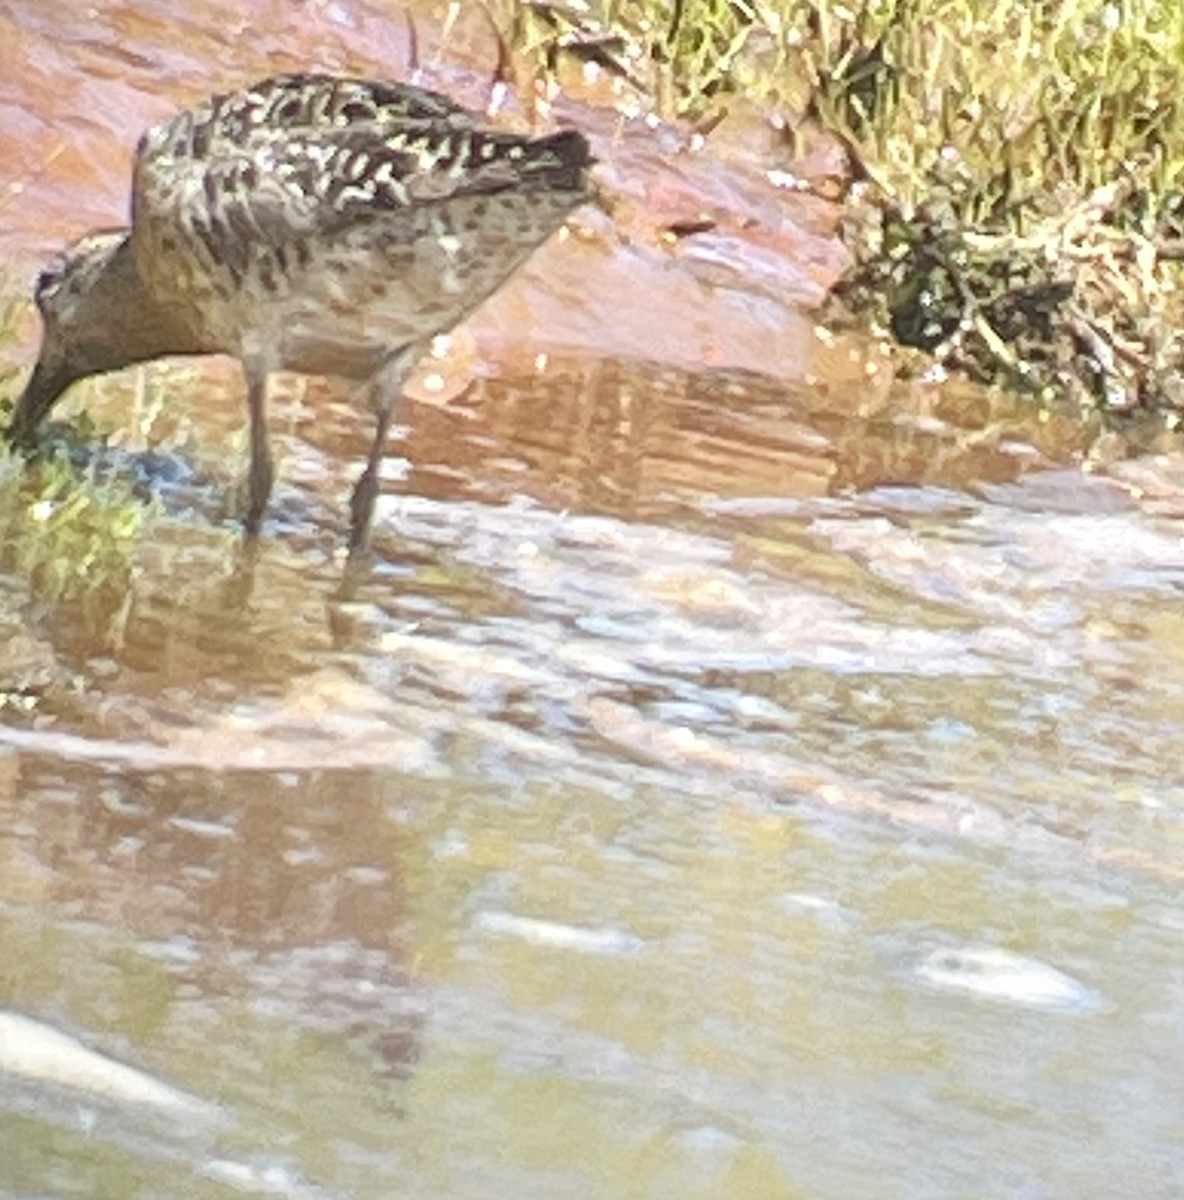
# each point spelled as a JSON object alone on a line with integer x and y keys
{"x": 83, "y": 294}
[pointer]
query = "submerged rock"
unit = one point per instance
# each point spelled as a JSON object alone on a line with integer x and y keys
{"x": 1001, "y": 975}
{"x": 38, "y": 1053}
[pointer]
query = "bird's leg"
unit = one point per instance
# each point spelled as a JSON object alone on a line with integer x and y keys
{"x": 261, "y": 470}
{"x": 388, "y": 386}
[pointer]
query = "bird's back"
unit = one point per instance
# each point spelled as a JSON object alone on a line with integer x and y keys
{"x": 287, "y": 103}
{"x": 331, "y": 221}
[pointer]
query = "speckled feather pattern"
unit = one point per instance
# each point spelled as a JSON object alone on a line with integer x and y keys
{"x": 324, "y": 222}
{"x": 309, "y": 223}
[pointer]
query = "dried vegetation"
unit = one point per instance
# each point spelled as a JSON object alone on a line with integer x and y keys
{"x": 1016, "y": 210}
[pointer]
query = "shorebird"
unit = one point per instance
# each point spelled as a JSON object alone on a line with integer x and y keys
{"x": 309, "y": 223}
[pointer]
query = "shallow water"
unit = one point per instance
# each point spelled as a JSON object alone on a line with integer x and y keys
{"x": 745, "y": 780}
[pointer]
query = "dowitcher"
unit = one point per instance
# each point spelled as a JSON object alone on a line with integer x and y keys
{"x": 309, "y": 223}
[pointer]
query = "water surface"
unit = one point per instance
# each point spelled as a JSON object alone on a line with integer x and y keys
{"x": 736, "y": 776}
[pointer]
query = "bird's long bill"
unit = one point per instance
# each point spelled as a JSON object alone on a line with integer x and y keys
{"x": 45, "y": 385}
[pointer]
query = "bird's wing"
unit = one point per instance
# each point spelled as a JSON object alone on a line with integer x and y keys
{"x": 282, "y": 185}
{"x": 287, "y": 103}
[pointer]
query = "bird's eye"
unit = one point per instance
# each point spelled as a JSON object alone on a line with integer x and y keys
{"x": 49, "y": 282}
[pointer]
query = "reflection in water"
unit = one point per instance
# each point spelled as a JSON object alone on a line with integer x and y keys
{"x": 614, "y": 817}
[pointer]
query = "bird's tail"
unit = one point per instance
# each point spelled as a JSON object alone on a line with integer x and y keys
{"x": 558, "y": 162}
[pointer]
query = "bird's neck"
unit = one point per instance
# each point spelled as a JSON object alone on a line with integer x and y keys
{"x": 136, "y": 327}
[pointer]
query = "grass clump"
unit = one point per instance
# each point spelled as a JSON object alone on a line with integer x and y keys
{"x": 67, "y": 531}
{"x": 1018, "y": 210}
{"x": 1021, "y": 210}
{"x": 677, "y": 54}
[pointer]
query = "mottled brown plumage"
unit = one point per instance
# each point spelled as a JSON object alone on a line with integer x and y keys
{"x": 309, "y": 223}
